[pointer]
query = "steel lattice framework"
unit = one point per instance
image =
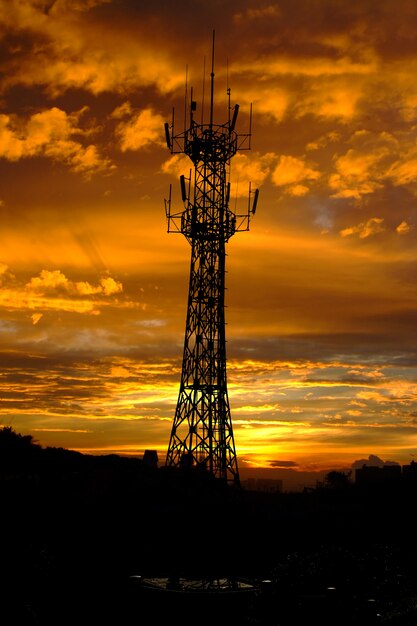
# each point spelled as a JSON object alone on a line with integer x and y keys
{"x": 202, "y": 434}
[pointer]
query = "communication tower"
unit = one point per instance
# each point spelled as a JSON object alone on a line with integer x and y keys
{"x": 202, "y": 434}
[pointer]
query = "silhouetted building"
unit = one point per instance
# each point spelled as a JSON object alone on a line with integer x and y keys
{"x": 150, "y": 458}
{"x": 410, "y": 471}
{"x": 375, "y": 476}
{"x": 268, "y": 485}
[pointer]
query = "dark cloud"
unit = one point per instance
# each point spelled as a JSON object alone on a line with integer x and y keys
{"x": 372, "y": 461}
{"x": 350, "y": 347}
{"x": 283, "y": 464}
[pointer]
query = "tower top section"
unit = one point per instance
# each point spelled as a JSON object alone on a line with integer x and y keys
{"x": 210, "y": 148}
{"x": 203, "y": 139}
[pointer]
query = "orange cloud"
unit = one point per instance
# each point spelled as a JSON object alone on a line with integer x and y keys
{"x": 246, "y": 169}
{"x": 62, "y": 6}
{"x": 326, "y": 98}
{"x": 365, "y": 229}
{"x": 311, "y": 66}
{"x": 293, "y": 173}
{"x": 361, "y": 169}
{"x": 5, "y": 274}
{"x": 36, "y": 317}
{"x": 73, "y": 52}
{"x": 324, "y": 140}
{"x": 404, "y": 170}
{"x": 403, "y": 228}
{"x": 374, "y": 160}
{"x": 49, "y": 134}
{"x": 177, "y": 165}
{"x": 266, "y": 12}
{"x": 55, "y": 280}
{"x": 375, "y": 396}
{"x": 52, "y": 290}
{"x": 266, "y": 98}
{"x": 328, "y": 88}
{"x": 144, "y": 129}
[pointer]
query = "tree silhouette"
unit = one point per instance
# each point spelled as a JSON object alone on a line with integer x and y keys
{"x": 337, "y": 480}
{"x": 17, "y": 451}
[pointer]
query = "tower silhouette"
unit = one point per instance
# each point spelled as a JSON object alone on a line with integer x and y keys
{"x": 202, "y": 434}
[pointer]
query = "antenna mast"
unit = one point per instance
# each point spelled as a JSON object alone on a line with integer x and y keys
{"x": 212, "y": 84}
{"x": 202, "y": 434}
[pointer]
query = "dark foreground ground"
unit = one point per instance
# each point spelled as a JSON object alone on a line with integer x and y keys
{"x": 74, "y": 529}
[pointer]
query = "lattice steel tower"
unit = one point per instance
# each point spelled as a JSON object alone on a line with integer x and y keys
{"x": 202, "y": 434}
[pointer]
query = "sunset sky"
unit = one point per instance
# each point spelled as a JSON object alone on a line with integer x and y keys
{"x": 322, "y": 295}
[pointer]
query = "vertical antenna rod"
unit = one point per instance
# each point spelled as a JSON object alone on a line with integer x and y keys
{"x": 204, "y": 86}
{"x": 212, "y": 84}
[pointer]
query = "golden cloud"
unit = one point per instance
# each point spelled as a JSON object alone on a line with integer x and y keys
{"x": 374, "y": 159}
{"x": 324, "y": 140}
{"x": 5, "y": 273}
{"x": 267, "y": 100}
{"x": 403, "y": 228}
{"x": 375, "y": 396}
{"x": 361, "y": 169}
{"x": 55, "y": 280}
{"x": 36, "y": 317}
{"x": 353, "y": 179}
{"x": 315, "y": 67}
{"x": 72, "y": 52}
{"x": 48, "y": 134}
{"x": 292, "y": 172}
{"x": 365, "y": 229}
{"x": 177, "y": 165}
{"x": 298, "y": 190}
{"x": 331, "y": 99}
{"x": 404, "y": 170}
{"x": 252, "y": 169}
{"x": 267, "y": 12}
{"x": 143, "y": 130}
{"x": 63, "y": 6}
{"x": 304, "y": 85}
{"x": 122, "y": 392}
{"x": 52, "y": 290}
{"x": 123, "y": 110}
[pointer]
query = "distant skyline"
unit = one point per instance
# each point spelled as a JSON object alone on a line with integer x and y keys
{"x": 321, "y": 293}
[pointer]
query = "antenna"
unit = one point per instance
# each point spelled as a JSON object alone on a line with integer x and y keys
{"x": 250, "y": 125}
{"x": 237, "y": 191}
{"x": 168, "y": 206}
{"x": 255, "y": 201}
{"x": 193, "y": 106}
{"x": 185, "y": 97}
{"x": 204, "y": 84}
{"x": 167, "y": 135}
{"x": 234, "y": 118}
{"x": 183, "y": 190}
{"x": 227, "y": 75}
{"x": 212, "y": 84}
